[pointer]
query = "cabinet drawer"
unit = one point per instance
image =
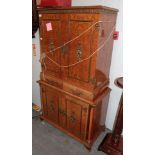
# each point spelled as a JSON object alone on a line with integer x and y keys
{"x": 52, "y": 80}
{"x": 77, "y": 91}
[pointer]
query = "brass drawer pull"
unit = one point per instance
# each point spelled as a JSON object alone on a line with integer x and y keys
{"x": 76, "y": 92}
{"x": 52, "y": 82}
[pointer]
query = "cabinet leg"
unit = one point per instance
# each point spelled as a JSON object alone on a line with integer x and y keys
{"x": 88, "y": 147}
{"x": 41, "y": 119}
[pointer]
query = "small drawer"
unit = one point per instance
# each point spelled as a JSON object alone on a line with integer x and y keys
{"x": 53, "y": 81}
{"x": 77, "y": 91}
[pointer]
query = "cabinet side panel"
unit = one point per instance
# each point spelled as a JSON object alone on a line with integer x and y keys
{"x": 104, "y": 55}
{"x": 97, "y": 114}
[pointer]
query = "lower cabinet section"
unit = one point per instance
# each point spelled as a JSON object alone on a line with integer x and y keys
{"x": 76, "y": 117}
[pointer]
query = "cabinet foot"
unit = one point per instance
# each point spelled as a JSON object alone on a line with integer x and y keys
{"x": 41, "y": 119}
{"x": 88, "y": 147}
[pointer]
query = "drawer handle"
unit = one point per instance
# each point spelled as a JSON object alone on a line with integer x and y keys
{"x": 52, "y": 82}
{"x": 76, "y": 92}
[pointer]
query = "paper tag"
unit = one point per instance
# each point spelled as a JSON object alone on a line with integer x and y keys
{"x": 49, "y": 26}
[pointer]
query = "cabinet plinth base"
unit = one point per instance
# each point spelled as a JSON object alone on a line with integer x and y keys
{"x": 110, "y": 147}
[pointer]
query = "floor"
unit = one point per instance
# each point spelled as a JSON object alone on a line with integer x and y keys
{"x": 47, "y": 140}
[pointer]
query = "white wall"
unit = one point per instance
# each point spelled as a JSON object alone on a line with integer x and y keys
{"x": 87, "y": 2}
{"x": 36, "y": 69}
{"x": 116, "y": 65}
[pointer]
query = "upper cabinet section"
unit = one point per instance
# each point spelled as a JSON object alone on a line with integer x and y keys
{"x": 70, "y": 39}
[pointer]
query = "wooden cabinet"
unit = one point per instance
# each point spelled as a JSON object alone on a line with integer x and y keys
{"x": 77, "y": 117}
{"x": 75, "y": 69}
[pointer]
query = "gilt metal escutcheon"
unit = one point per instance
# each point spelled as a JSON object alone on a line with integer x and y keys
{"x": 79, "y": 52}
{"x": 51, "y": 46}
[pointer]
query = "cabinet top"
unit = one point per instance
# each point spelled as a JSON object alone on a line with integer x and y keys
{"x": 77, "y": 9}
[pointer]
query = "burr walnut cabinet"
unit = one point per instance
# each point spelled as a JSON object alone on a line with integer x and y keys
{"x": 75, "y": 69}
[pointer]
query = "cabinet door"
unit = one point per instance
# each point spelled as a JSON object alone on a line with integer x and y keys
{"x": 63, "y": 113}
{"x": 50, "y": 38}
{"x": 83, "y": 73}
{"x": 52, "y": 101}
{"x": 77, "y": 117}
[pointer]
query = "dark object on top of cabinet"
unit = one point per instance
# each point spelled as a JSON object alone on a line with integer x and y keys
{"x": 35, "y": 21}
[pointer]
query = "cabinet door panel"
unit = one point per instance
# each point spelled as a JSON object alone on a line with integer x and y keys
{"x": 77, "y": 115}
{"x": 62, "y": 112}
{"x": 51, "y": 39}
{"x": 74, "y": 118}
{"x": 83, "y": 73}
{"x": 80, "y": 49}
{"x": 52, "y": 99}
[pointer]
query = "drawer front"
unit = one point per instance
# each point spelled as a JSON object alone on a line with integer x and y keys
{"x": 52, "y": 101}
{"x": 56, "y": 82}
{"x": 77, "y": 91}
